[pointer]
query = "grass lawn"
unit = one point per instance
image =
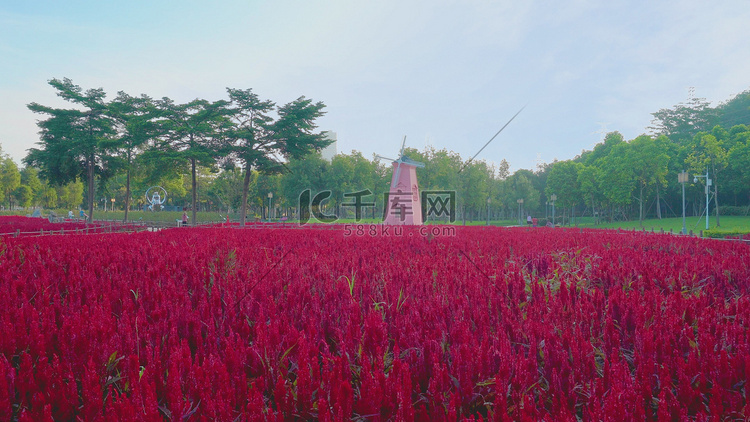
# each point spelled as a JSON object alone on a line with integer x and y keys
{"x": 729, "y": 222}
{"x": 118, "y": 215}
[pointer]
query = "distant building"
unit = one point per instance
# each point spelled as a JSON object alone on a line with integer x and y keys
{"x": 329, "y": 151}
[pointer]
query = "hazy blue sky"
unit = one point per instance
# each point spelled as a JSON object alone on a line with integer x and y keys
{"x": 444, "y": 73}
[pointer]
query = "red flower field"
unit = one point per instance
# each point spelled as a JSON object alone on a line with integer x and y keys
{"x": 288, "y": 324}
{"x": 36, "y": 226}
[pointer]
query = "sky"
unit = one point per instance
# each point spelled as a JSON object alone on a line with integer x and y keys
{"x": 445, "y": 74}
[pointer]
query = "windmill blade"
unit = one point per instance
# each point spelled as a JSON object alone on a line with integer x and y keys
{"x": 491, "y": 139}
{"x": 412, "y": 162}
{"x": 384, "y": 158}
{"x": 398, "y": 174}
{"x": 403, "y": 144}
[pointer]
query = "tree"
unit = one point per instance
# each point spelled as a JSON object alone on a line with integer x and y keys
{"x": 293, "y": 131}
{"x": 10, "y": 178}
{"x": 616, "y": 176}
{"x": 474, "y": 188}
{"x": 739, "y": 162}
{"x": 192, "y": 133}
{"x": 649, "y": 166}
{"x": 441, "y": 167}
{"x": 23, "y": 196}
{"x": 49, "y": 197}
{"x": 133, "y": 118}
{"x": 602, "y": 149}
{"x": 312, "y": 172}
{"x": 588, "y": 182}
{"x": 683, "y": 121}
{"x": 251, "y": 138}
{"x": 30, "y": 178}
{"x": 227, "y": 189}
{"x": 519, "y": 186}
{"x": 74, "y": 143}
{"x": 709, "y": 154}
{"x": 268, "y": 183}
{"x": 352, "y": 173}
{"x": 563, "y": 182}
{"x": 735, "y": 111}
{"x": 70, "y": 195}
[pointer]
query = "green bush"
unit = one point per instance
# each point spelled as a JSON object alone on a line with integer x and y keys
{"x": 732, "y": 210}
{"x": 724, "y": 233}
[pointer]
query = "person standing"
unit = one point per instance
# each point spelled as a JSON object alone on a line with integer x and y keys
{"x": 528, "y": 219}
{"x": 184, "y": 218}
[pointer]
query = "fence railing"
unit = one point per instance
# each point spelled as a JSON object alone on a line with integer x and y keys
{"x": 96, "y": 227}
{"x": 117, "y": 226}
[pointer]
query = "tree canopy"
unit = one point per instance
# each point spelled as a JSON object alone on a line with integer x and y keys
{"x": 233, "y": 153}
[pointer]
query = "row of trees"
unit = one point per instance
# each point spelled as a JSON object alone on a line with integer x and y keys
{"x": 618, "y": 176}
{"x": 24, "y": 188}
{"x": 617, "y": 180}
{"x": 98, "y": 139}
{"x": 238, "y": 151}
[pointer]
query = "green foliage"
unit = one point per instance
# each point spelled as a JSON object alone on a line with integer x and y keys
{"x": 616, "y": 177}
{"x": 240, "y": 150}
{"x": 75, "y": 143}
{"x": 23, "y": 196}
{"x": 718, "y": 233}
{"x": 563, "y": 181}
{"x": 294, "y": 129}
{"x": 683, "y": 121}
{"x": 735, "y": 111}
{"x": 10, "y": 178}
{"x": 734, "y": 210}
{"x": 226, "y": 189}
{"x": 69, "y": 195}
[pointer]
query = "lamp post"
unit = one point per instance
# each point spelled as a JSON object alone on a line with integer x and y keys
{"x": 270, "y": 198}
{"x": 488, "y": 210}
{"x": 708, "y": 184}
{"x": 520, "y": 203}
{"x": 683, "y": 178}
{"x": 553, "y": 198}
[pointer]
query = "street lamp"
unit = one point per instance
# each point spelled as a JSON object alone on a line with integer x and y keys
{"x": 708, "y": 184}
{"x": 683, "y": 178}
{"x": 520, "y": 203}
{"x": 270, "y": 198}
{"x": 553, "y": 198}
{"x": 488, "y": 210}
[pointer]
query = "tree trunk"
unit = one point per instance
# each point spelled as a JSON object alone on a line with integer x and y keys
{"x": 127, "y": 195}
{"x": 245, "y": 190}
{"x": 640, "y": 206}
{"x": 716, "y": 199}
{"x": 593, "y": 210}
{"x": 658, "y": 202}
{"x": 195, "y": 196}
{"x": 90, "y": 169}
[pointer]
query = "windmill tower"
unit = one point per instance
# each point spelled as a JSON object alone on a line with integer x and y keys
{"x": 404, "y": 205}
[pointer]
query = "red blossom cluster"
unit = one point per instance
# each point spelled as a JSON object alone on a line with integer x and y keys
{"x": 281, "y": 324}
{"x": 13, "y": 223}
{"x": 35, "y": 226}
